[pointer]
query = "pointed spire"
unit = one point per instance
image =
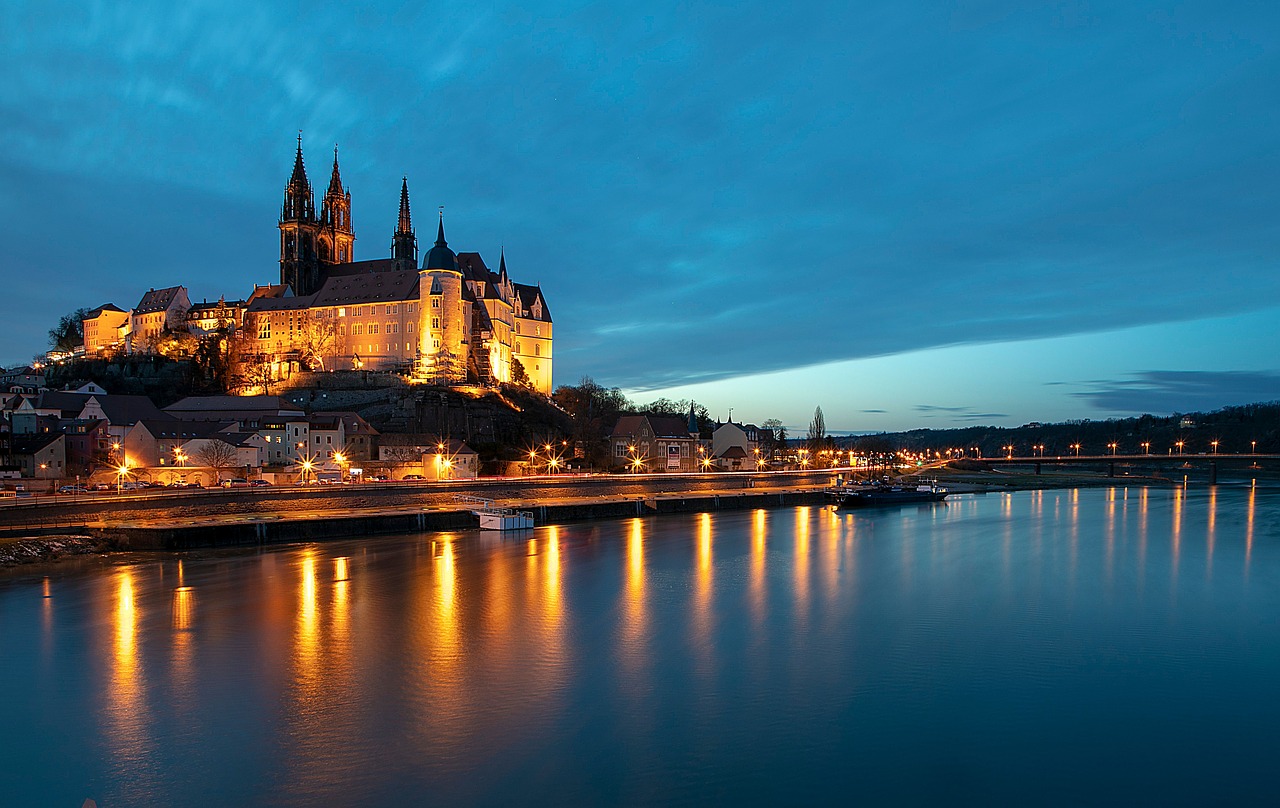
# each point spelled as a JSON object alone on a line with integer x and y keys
{"x": 299, "y": 177}
{"x": 335, "y": 181}
{"x": 440, "y": 242}
{"x": 406, "y": 222}
{"x": 502, "y": 263}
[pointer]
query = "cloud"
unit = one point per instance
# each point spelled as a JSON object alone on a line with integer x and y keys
{"x": 698, "y": 198}
{"x": 1162, "y": 391}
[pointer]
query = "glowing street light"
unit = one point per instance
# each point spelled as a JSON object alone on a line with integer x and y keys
{"x": 1214, "y": 444}
{"x": 1254, "y": 447}
{"x": 1112, "y": 447}
{"x": 1146, "y": 447}
{"x": 1009, "y": 449}
{"x": 1179, "y": 445}
{"x": 1076, "y": 446}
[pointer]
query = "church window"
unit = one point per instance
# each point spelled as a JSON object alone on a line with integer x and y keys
{"x": 517, "y": 347}
{"x": 517, "y": 326}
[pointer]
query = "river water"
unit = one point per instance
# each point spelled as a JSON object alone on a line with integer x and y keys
{"x": 1104, "y": 646}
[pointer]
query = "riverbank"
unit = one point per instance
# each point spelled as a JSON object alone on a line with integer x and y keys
{"x": 21, "y": 552}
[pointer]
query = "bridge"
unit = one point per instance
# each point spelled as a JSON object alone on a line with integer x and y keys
{"x": 1212, "y": 460}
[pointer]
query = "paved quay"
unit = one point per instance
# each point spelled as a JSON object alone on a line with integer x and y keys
{"x": 177, "y": 520}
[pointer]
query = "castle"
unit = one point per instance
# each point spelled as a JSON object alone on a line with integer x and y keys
{"x": 447, "y": 319}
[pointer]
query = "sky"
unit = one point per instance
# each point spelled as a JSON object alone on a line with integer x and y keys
{"x": 910, "y": 214}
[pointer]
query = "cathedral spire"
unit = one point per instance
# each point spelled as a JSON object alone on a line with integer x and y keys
{"x": 335, "y": 181}
{"x": 406, "y": 222}
{"x": 502, "y": 263}
{"x": 440, "y": 242}
{"x": 299, "y": 178}
{"x": 404, "y": 244}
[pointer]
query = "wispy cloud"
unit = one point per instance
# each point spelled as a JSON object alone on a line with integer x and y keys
{"x": 1160, "y": 391}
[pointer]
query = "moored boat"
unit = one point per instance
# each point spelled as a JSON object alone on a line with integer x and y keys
{"x": 862, "y": 496}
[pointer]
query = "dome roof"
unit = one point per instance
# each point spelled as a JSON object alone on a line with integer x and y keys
{"x": 440, "y": 256}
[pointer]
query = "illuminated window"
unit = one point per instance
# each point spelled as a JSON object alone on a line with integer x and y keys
{"x": 435, "y": 302}
{"x": 264, "y": 328}
{"x": 537, "y": 350}
{"x": 373, "y": 328}
{"x": 435, "y": 322}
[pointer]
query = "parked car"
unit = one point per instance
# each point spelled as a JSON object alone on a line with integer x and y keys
{"x": 377, "y": 478}
{"x": 235, "y": 482}
{"x": 73, "y": 489}
{"x": 412, "y": 477}
{"x": 100, "y": 487}
{"x": 259, "y": 483}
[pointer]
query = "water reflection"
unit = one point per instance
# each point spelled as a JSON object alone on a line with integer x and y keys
{"x": 614, "y": 653}
{"x": 127, "y": 709}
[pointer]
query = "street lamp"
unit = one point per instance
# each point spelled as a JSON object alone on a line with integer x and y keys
{"x": 1146, "y": 447}
{"x": 1179, "y": 445}
{"x": 1214, "y": 444}
{"x": 1076, "y": 446}
{"x": 1253, "y": 447}
{"x": 1009, "y": 449}
{"x": 1112, "y": 447}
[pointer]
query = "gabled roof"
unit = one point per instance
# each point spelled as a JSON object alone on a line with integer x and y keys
{"x": 177, "y": 429}
{"x": 367, "y": 266}
{"x": 105, "y": 307}
{"x": 257, "y": 304}
{"x": 733, "y": 453}
{"x": 32, "y": 443}
{"x": 157, "y": 300}
{"x": 527, "y": 296}
{"x": 271, "y": 290}
{"x": 122, "y": 410}
{"x": 214, "y": 407}
{"x": 662, "y": 426}
{"x": 368, "y": 287}
{"x": 352, "y": 423}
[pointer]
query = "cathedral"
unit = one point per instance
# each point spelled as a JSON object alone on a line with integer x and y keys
{"x": 449, "y": 318}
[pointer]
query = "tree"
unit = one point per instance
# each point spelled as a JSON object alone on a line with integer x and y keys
{"x": 216, "y": 454}
{"x": 68, "y": 334}
{"x": 519, "y": 377}
{"x": 317, "y": 340}
{"x": 774, "y": 437}
{"x": 816, "y": 441}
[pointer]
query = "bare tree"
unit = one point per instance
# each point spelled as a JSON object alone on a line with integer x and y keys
{"x": 217, "y": 455}
{"x": 403, "y": 454}
{"x": 317, "y": 340}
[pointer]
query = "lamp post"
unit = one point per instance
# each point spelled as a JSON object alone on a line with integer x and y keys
{"x": 1253, "y": 444}
{"x": 1214, "y": 444}
{"x": 1179, "y": 445}
{"x": 1146, "y": 447}
{"x": 1076, "y": 446}
{"x": 1009, "y": 450}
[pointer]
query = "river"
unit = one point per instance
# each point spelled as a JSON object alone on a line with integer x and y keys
{"x": 1098, "y": 646}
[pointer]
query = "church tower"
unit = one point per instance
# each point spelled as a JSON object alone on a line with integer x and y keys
{"x": 404, "y": 243}
{"x": 337, "y": 238}
{"x": 299, "y": 232}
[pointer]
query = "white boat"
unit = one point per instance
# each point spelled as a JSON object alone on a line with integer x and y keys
{"x": 494, "y": 518}
{"x": 503, "y": 519}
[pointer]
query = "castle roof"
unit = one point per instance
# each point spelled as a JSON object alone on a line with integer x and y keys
{"x": 368, "y": 287}
{"x": 440, "y": 256}
{"x": 157, "y": 300}
{"x": 531, "y": 304}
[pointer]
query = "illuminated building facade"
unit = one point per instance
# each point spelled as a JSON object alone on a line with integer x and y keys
{"x": 448, "y": 318}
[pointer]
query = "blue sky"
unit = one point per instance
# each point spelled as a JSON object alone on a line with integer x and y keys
{"x": 912, "y": 214}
